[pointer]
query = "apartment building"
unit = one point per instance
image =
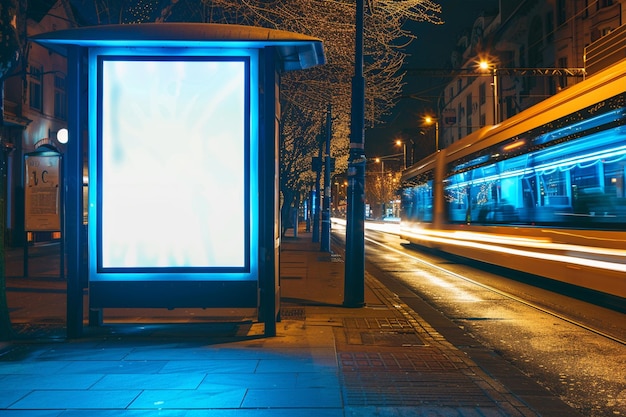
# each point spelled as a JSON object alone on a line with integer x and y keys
{"x": 532, "y": 49}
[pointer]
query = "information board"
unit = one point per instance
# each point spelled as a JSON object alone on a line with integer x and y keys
{"x": 42, "y": 200}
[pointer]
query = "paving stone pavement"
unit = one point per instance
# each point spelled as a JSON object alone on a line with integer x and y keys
{"x": 326, "y": 360}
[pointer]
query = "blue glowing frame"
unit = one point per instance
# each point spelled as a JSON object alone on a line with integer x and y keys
{"x": 244, "y": 268}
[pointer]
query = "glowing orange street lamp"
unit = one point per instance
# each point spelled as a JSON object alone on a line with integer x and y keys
{"x": 401, "y": 143}
{"x": 429, "y": 121}
{"x": 486, "y": 66}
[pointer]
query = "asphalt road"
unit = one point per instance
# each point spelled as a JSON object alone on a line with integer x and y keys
{"x": 574, "y": 349}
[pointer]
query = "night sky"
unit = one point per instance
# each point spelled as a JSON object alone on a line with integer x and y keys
{"x": 432, "y": 49}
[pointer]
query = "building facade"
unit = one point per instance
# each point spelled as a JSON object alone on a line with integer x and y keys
{"x": 35, "y": 104}
{"x": 532, "y": 50}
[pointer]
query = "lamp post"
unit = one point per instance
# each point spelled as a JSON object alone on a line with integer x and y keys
{"x": 354, "y": 280}
{"x": 381, "y": 160}
{"x": 382, "y": 186}
{"x": 486, "y": 66}
{"x": 429, "y": 121}
{"x": 398, "y": 143}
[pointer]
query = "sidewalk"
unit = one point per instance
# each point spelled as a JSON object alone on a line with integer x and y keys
{"x": 383, "y": 359}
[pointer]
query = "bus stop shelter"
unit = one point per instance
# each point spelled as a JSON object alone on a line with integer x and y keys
{"x": 180, "y": 122}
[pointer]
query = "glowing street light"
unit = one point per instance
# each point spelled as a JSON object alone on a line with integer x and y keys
{"x": 62, "y": 136}
{"x": 429, "y": 121}
{"x": 486, "y": 66}
{"x": 383, "y": 174}
{"x": 403, "y": 144}
{"x": 382, "y": 184}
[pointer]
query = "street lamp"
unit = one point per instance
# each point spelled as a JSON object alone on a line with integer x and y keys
{"x": 381, "y": 160}
{"x": 382, "y": 184}
{"x": 398, "y": 143}
{"x": 486, "y": 66}
{"x": 62, "y": 136}
{"x": 340, "y": 192}
{"x": 429, "y": 121}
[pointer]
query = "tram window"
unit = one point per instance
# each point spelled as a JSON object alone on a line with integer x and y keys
{"x": 585, "y": 177}
{"x": 577, "y": 182}
{"x": 417, "y": 202}
{"x": 555, "y": 188}
{"x": 455, "y": 191}
{"x": 614, "y": 179}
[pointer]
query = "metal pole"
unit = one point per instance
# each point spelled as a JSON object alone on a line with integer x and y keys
{"x": 354, "y": 285}
{"x": 25, "y": 257}
{"x": 62, "y": 220}
{"x": 382, "y": 189}
{"x": 316, "y": 199}
{"x": 325, "y": 244}
{"x": 309, "y": 209}
{"x": 73, "y": 196}
{"x": 403, "y": 155}
{"x": 496, "y": 100}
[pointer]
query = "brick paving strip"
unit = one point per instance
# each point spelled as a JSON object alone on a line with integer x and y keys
{"x": 400, "y": 361}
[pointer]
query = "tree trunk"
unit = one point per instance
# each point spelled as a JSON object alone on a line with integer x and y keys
{"x": 285, "y": 218}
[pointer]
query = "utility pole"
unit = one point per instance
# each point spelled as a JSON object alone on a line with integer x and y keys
{"x": 354, "y": 280}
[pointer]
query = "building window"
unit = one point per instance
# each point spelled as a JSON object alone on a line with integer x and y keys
{"x": 604, "y": 3}
{"x": 606, "y": 31}
{"x": 482, "y": 94}
{"x": 461, "y": 113}
{"x": 550, "y": 26}
{"x": 561, "y": 14}
{"x": 60, "y": 98}
{"x": 535, "y": 42}
{"x": 468, "y": 115}
{"x": 35, "y": 88}
{"x": 483, "y": 120}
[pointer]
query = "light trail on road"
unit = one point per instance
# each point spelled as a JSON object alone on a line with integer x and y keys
{"x": 495, "y": 290}
{"x": 546, "y": 335}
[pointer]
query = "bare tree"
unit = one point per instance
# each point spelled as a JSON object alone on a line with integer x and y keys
{"x": 383, "y": 187}
{"x": 307, "y": 94}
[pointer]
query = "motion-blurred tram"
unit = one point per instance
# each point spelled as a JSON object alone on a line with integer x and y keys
{"x": 543, "y": 192}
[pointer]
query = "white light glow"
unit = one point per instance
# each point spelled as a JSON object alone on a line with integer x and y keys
{"x": 507, "y": 244}
{"x": 174, "y": 166}
{"x": 513, "y": 245}
{"x": 62, "y": 136}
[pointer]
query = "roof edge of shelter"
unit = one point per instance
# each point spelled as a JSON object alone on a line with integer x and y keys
{"x": 308, "y": 49}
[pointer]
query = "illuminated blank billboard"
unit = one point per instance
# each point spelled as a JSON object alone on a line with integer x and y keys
{"x": 182, "y": 126}
{"x": 173, "y": 164}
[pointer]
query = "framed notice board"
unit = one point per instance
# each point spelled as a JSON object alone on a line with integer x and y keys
{"x": 42, "y": 192}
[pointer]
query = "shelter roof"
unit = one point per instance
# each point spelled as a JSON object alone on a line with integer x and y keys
{"x": 296, "y": 51}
